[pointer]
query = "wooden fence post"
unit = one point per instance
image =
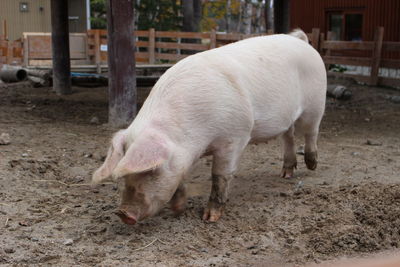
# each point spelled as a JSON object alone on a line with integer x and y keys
{"x": 25, "y": 51}
{"x": 9, "y": 52}
{"x": 376, "y": 55}
{"x": 213, "y": 39}
{"x": 152, "y": 46}
{"x": 60, "y": 47}
{"x": 121, "y": 62}
{"x": 97, "y": 57}
{"x": 315, "y": 38}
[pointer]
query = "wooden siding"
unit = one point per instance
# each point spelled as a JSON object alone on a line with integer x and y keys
{"x": 35, "y": 20}
{"x": 308, "y": 14}
{"x": 38, "y": 18}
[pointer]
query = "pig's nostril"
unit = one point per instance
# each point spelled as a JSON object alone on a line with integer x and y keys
{"x": 126, "y": 217}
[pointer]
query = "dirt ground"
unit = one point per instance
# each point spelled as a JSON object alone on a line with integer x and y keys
{"x": 50, "y": 215}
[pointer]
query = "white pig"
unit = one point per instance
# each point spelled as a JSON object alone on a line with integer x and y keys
{"x": 216, "y": 102}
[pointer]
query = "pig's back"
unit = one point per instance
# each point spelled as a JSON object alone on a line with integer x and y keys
{"x": 261, "y": 83}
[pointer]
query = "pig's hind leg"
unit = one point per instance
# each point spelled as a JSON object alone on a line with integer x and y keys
{"x": 309, "y": 126}
{"x": 225, "y": 161}
{"x": 289, "y": 154}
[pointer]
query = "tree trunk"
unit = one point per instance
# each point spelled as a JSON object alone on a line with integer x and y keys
{"x": 228, "y": 16}
{"x": 258, "y": 22}
{"x": 240, "y": 20}
{"x": 282, "y": 16}
{"x": 188, "y": 15}
{"x": 121, "y": 62}
{"x": 191, "y": 15}
{"x": 60, "y": 47}
{"x": 269, "y": 15}
{"x": 247, "y": 16}
{"x": 196, "y": 15}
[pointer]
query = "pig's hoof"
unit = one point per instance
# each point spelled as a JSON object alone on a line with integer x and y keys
{"x": 126, "y": 217}
{"x": 287, "y": 172}
{"x": 212, "y": 214}
{"x": 310, "y": 158}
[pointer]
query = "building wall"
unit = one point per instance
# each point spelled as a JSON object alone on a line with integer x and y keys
{"x": 308, "y": 14}
{"x": 38, "y": 17}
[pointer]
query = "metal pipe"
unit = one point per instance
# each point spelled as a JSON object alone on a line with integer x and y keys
{"x": 13, "y": 75}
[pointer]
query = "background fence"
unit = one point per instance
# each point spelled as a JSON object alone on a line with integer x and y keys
{"x": 154, "y": 47}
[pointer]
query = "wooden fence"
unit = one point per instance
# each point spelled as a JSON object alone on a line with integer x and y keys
{"x": 162, "y": 46}
{"x": 10, "y": 51}
{"x": 38, "y": 50}
{"x": 373, "y": 54}
{"x": 168, "y": 47}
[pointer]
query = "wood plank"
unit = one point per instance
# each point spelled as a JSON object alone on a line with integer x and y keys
{"x": 356, "y": 61}
{"x": 141, "y": 43}
{"x": 315, "y": 38}
{"x": 390, "y": 63}
{"x": 194, "y": 35}
{"x": 151, "y": 49}
{"x": 346, "y": 45}
{"x": 376, "y": 55}
{"x": 229, "y": 37}
{"x": 173, "y": 57}
{"x": 142, "y": 33}
{"x": 391, "y": 46}
{"x": 142, "y": 55}
{"x": 187, "y": 46}
{"x": 213, "y": 39}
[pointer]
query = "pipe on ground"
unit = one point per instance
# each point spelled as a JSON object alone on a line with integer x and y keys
{"x": 13, "y": 75}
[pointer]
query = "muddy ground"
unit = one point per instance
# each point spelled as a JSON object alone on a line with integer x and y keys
{"x": 49, "y": 215}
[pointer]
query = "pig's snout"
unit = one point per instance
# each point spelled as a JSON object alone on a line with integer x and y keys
{"x": 126, "y": 216}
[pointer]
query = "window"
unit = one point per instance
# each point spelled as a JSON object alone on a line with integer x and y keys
{"x": 345, "y": 25}
{"x": 353, "y": 27}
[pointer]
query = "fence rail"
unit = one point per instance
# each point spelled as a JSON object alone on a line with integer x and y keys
{"x": 168, "y": 47}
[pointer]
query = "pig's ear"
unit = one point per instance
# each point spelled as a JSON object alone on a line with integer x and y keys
{"x": 143, "y": 155}
{"x": 114, "y": 155}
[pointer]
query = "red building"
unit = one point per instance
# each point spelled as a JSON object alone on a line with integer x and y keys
{"x": 348, "y": 19}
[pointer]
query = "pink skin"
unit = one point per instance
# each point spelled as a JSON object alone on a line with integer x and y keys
{"x": 211, "y": 102}
{"x": 145, "y": 194}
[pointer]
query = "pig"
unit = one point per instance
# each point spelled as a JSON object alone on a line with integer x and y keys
{"x": 215, "y": 103}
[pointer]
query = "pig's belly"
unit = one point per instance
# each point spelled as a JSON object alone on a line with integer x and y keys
{"x": 268, "y": 127}
{"x": 263, "y": 132}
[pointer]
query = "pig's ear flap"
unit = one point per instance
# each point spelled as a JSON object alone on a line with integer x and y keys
{"x": 114, "y": 155}
{"x": 143, "y": 155}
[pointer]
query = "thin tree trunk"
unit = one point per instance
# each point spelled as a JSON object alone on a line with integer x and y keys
{"x": 248, "y": 10}
{"x": 269, "y": 16}
{"x": 228, "y": 15}
{"x": 196, "y": 15}
{"x": 258, "y": 22}
{"x": 281, "y": 16}
{"x": 188, "y": 15}
{"x": 239, "y": 25}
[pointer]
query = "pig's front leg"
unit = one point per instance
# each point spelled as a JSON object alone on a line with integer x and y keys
{"x": 224, "y": 165}
{"x": 179, "y": 199}
{"x": 218, "y": 197}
